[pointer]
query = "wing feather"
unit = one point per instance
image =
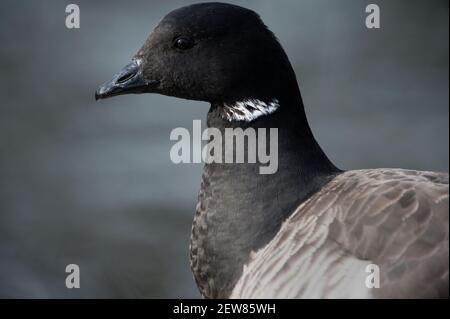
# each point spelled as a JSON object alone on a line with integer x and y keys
{"x": 396, "y": 219}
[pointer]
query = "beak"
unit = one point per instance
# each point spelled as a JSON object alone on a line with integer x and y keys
{"x": 129, "y": 80}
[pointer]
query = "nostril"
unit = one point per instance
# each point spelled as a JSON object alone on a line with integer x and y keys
{"x": 126, "y": 77}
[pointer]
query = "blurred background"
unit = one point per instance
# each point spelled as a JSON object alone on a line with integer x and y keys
{"x": 92, "y": 183}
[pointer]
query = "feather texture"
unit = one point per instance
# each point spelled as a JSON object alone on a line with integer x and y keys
{"x": 396, "y": 219}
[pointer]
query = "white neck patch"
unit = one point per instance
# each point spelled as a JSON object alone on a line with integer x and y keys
{"x": 248, "y": 110}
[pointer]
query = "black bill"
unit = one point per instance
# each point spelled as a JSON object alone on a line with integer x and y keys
{"x": 129, "y": 80}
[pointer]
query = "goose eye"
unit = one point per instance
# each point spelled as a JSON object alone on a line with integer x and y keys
{"x": 183, "y": 43}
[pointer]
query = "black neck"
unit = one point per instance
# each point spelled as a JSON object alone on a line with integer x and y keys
{"x": 240, "y": 210}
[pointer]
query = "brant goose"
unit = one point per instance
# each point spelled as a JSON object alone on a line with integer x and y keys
{"x": 309, "y": 230}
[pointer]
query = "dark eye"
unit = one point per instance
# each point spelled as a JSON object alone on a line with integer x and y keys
{"x": 183, "y": 43}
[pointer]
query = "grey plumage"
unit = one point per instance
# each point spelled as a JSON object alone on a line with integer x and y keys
{"x": 240, "y": 210}
{"x": 396, "y": 219}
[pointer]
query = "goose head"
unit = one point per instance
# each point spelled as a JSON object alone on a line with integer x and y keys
{"x": 213, "y": 52}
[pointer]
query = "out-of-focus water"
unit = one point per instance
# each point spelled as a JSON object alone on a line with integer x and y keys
{"x": 92, "y": 183}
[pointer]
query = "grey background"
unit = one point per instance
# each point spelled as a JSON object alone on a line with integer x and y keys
{"x": 92, "y": 183}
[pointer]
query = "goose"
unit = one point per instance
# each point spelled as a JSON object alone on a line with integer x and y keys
{"x": 309, "y": 230}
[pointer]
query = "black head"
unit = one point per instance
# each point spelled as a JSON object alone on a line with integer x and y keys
{"x": 211, "y": 52}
